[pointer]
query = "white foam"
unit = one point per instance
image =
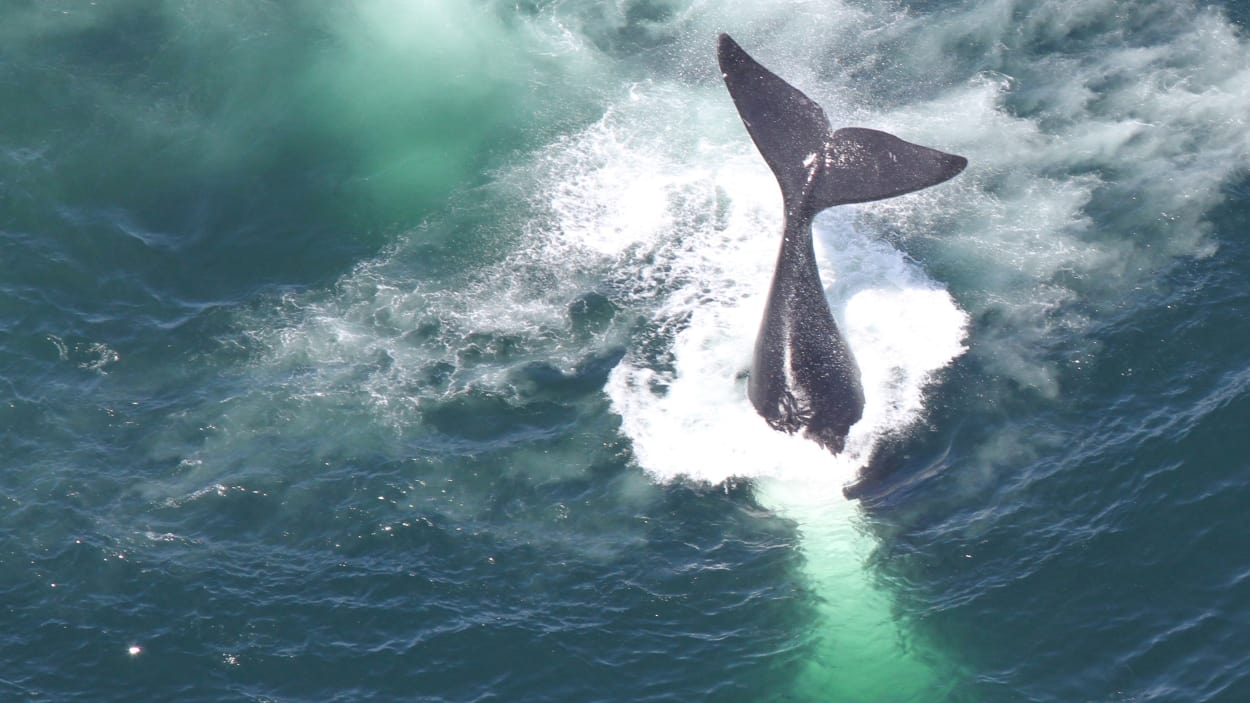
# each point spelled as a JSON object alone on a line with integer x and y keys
{"x": 694, "y": 420}
{"x": 688, "y": 233}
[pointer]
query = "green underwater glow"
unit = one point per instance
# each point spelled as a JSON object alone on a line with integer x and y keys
{"x": 861, "y": 650}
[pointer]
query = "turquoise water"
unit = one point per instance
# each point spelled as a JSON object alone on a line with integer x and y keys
{"x": 396, "y": 351}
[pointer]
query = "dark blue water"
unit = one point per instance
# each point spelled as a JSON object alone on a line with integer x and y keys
{"x": 396, "y": 351}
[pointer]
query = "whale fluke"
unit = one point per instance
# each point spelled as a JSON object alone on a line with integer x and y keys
{"x": 803, "y": 376}
{"x": 813, "y": 162}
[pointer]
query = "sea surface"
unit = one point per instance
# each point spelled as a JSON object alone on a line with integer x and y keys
{"x": 396, "y": 350}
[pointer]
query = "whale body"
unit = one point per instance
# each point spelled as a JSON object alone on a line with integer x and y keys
{"x": 803, "y": 374}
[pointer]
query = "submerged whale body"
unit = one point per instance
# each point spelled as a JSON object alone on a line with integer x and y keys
{"x": 803, "y": 376}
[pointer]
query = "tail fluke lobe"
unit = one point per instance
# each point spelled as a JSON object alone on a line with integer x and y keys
{"x": 788, "y": 128}
{"x": 866, "y": 164}
{"x": 816, "y": 167}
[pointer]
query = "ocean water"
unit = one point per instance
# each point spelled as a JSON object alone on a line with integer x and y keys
{"x": 396, "y": 350}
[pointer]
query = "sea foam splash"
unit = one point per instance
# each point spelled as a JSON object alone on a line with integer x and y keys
{"x": 668, "y": 195}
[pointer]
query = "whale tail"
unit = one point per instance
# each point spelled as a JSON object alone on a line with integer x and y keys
{"x": 817, "y": 167}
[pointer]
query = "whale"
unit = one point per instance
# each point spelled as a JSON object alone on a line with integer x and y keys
{"x": 803, "y": 376}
